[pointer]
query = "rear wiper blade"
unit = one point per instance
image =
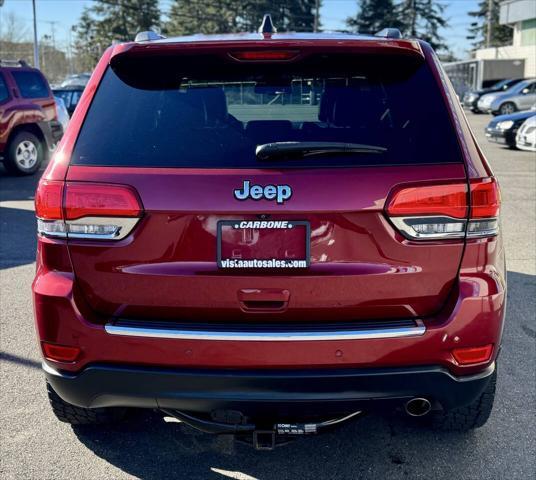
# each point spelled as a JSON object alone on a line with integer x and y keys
{"x": 307, "y": 149}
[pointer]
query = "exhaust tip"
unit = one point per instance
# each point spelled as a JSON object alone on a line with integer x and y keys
{"x": 417, "y": 407}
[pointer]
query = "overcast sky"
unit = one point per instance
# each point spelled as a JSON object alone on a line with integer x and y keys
{"x": 65, "y": 13}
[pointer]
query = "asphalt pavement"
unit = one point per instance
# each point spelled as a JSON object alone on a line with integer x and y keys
{"x": 34, "y": 445}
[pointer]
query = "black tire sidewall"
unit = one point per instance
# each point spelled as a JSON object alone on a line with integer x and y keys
{"x": 10, "y": 162}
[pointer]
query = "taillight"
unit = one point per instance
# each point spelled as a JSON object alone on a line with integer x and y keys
{"x": 485, "y": 198}
{"x": 48, "y": 198}
{"x": 103, "y": 200}
{"x": 86, "y": 210}
{"x": 60, "y": 353}
{"x": 446, "y": 210}
{"x": 472, "y": 355}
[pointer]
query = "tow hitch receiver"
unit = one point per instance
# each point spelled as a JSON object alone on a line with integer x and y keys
{"x": 264, "y": 439}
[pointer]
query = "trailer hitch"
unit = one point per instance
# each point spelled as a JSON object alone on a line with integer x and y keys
{"x": 262, "y": 439}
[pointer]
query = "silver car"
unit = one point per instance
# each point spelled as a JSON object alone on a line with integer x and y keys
{"x": 519, "y": 97}
{"x": 63, "y": 114}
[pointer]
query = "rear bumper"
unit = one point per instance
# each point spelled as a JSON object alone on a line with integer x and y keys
{"x": 471, "y": 104}
{"x": 500, "y": 136}
{"x": 265, "y": 393}
{"x": 473, "y": 316}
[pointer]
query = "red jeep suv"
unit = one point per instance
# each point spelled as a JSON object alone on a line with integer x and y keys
{"x": 28, "y": 119}
{"x": 268, "y": 234}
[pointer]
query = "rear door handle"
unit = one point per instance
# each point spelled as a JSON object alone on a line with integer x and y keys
{"x": 263, "y": 299}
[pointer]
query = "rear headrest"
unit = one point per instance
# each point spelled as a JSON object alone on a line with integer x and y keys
{"x": 347, "y": 107}
{"x": 196, "y": 107}
{"x": 325, "y": 110}
{"x": 182, "y": 109}
{"x": 215, "y": 105}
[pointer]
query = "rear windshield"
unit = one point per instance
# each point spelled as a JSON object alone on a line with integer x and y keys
{"x": 31, "y": 84}
{"x": 206, "y": 113}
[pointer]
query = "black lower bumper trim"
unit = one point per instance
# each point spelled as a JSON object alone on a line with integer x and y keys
{"x": 265, "y": 392}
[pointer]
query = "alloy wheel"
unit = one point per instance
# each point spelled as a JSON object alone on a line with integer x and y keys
{"x": 26, "y": 154}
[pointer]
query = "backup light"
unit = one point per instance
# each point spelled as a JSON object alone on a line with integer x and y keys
{"x": 442, "y": 228}
{"x": 483, "y": 228}
{"x": 52, "y": 228}
{"x": 89, "y": 229}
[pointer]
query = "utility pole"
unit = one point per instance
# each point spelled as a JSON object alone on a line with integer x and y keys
{"x": 317, "y": 16}
{"x": 413, "y": 18}
{"x": 35, "y": 45}
{"x": 488, "y": 29}
{"x": 70, "y": 50}
{"x": 52, "y": 24}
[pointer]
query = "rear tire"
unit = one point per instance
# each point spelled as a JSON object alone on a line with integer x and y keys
{"x": 24, "y": 154}
{"x": 471, "y": 416}
{"x": 68, "y": 413}
{"x": 507, "y": 108}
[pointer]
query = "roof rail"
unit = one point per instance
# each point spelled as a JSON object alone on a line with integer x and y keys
{"x": 267, "y": 25}
{"x": 13, "y": 63}
{"x": 148, "y": 36}
{"x": 389, "y": 33}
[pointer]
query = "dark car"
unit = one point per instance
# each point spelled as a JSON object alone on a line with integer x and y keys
{"x": 70, "y": 96}
{"x": 28, "y": 119}
{"x": 264, "y": 234}
{"x": 470, "y": 99}
{"x": 503, "y": 129}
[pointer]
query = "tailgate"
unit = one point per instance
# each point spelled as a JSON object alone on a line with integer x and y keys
{"x": 360, "y": 267}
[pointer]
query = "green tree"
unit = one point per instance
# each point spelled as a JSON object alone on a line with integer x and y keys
{"x": 86, "y": 51}
{"x": 187, "y": 17}
{"x": 373, "y": 16}
{"x": 107, "y": 21}
{"x": 423, "y": 19}
{"x": 289, "y": 16}
{"x": 500, "y": 34}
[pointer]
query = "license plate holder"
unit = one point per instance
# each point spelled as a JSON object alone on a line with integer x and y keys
{"x": 263, "y": 244}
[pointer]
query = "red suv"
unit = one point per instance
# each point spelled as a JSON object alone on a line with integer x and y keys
{"x": 268, "y": 234}
{"x": 28, "y": 118}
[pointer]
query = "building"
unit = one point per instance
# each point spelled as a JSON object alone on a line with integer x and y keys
{"x": 483, "y": 73}
{"x": 521, "y": 16}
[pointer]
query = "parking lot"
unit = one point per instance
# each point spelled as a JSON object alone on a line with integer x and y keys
{"x": 33, "y": 445}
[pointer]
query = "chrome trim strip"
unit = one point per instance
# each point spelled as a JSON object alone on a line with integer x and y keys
{"x": 254, "y": 336}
